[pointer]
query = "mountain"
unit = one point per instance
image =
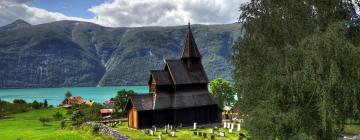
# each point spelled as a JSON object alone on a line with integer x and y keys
{"x": 74, "y": 53}
{"x": 15, "y": 25}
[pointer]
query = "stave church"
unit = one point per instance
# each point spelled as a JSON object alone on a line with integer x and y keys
{"x": 178, "y": 94}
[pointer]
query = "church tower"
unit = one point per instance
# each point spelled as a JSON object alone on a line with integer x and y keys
{"x": 190, "y": 54}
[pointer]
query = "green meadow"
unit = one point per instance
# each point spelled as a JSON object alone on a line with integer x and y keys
{"x": 26, "y": 126}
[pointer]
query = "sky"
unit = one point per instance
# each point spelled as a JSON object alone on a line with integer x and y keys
{"x": 122, "y": 13}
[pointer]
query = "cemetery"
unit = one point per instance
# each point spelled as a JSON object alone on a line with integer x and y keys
{"x": 225, "y": 131}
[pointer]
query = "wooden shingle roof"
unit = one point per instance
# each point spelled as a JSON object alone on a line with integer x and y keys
{"x": 192, "y": 99}
{"x": 190, "y": 49}
{"x": 181, "y": 75}
{"x": 140, "y": 101}
{"x": 161, "y": 77}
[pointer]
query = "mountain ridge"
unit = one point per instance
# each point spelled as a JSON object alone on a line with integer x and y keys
{"x": 75, "y": 53}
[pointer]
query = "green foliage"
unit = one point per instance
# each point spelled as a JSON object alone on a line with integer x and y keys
{"x": 77, "y": 118}
{"x": 95, "y": 129}
{"x": 91, "y": 113}
{"x": 120, "y": 101}
{"x": 68, "y": 94}
{"x": 57, "y": 116}
{"x": 19, "y": 101}
{"x": 296, "y": 69}
{"x": 35, "y": 105}
{"x": 45, "y": 103}
{"x": 223, "y": 92}
{"x": 86, "y": 113}
{"x": 69, "y": 112}
{"x": 44, "y": 120}
{"x": 62, "y": 124}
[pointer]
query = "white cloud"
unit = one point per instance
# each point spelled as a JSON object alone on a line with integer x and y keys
{"x": 17, "y": 9}
{"x": 166, "y": 12}
{"x": 115, "y": 13}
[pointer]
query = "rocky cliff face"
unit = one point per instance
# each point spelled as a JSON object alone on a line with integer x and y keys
{"x": 72, "y": 53}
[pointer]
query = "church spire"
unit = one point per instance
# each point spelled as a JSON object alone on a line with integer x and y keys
{"x": 190, "y": 49}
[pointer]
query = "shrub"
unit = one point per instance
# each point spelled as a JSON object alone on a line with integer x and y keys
{"x": 58, "y": 116}
{"x": 69, "y": 112}
{"x": 44, "y": 120}
{"x": 62, "y": 124}
{"x": 96, "y": 129}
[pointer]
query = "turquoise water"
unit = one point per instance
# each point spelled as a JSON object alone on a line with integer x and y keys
{"x": 55, "y": 96}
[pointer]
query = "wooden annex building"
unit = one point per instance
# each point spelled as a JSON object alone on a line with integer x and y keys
{"x": 178, "y": 94}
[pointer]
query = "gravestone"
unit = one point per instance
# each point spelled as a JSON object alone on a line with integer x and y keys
{"x": 228, "y": 125}
{"x": 232, "y": 126}
{"x": 225, "y": 124}
{"x": 204, "y": 135}
{"x": 238, "y": 127}
{"x": 151, "y": 133}
{"x": 172, "y": 134}
{"x": 230, "y": 130}
{"x": 211, "y": 131}
{"x": 165, "y": 130}
{"x": 160, "y": 137}
{"x": 222, "y": 134}
{"x": 194, "y": 125}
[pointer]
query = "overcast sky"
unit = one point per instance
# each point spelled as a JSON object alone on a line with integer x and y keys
{"x": 119, "y": 13}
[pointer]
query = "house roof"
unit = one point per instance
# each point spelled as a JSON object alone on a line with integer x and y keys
{"x": 190, "y": 49}
{"x": 75, "y": 100}
{"x": 140, "y": 101}
{"x": 104, "y": 111}
{"x": 161, "y": 77}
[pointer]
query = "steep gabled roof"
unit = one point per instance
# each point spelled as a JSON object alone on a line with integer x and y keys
{"x": 181, "y": 75}
{"x": 178, "y": 72}
{"x": 190, "y": 49}
{"x": 161, "y": 77}
{"x": 140, "y": 101}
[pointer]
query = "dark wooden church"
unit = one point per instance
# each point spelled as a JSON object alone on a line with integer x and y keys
{"x": 178, "y": 94}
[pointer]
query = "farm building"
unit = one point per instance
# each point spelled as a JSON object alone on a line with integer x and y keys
{"x": 178, "y": 94}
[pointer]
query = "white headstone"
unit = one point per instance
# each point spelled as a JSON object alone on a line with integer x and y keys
{"x": 211, "y": 131}
{"x": 151, "y": 133}
{"x": 232, "y": 126}
{"x": 228, "y": 125}
{"x": 221, "y": 134}
{"x": 194, "y": 125}
{"x": 160, "y": 137}
{"x": 238, "y": 127}
{"x": 172, "y": 134}
{"x": 224, "y": 124}
{"x": 230, "y": 130}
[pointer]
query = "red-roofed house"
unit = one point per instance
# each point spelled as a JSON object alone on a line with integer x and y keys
{"x": 73, "y": 100}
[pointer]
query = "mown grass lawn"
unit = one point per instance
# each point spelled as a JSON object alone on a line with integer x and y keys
{"x": 26, "y": 126}
{"x": 181, "y": 134}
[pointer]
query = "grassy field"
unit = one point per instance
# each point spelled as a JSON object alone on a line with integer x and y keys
{"x": 181, "y": 134}
{"x": 26, "y": 126}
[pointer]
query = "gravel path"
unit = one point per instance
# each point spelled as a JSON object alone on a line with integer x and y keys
{"x": 106, "y": 130}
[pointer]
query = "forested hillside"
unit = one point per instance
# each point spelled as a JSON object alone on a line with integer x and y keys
{"x": 73, "y": 53}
